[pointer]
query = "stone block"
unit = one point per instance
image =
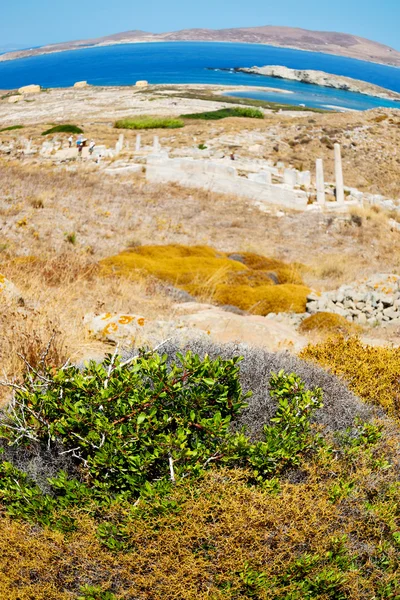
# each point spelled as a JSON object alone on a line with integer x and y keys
{"x": 142, "y": 83}
{"x": 261, "y": 177}
{"x": 304, "y": 178}
{"x": 81, "y": 84}
{"x": 290, "y": 177}
{"x": 30, "y": 89}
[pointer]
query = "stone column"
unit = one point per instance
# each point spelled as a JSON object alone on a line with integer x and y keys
{"x": 290, "y": 177}
{"x": 138, "y": 142}
{"x": 339, "y": 175}
{"x": 156, "y": 144}
{"x": 120, "y": 144}
{"x": 320, "y": 181}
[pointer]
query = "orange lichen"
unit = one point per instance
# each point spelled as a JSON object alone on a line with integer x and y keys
{"x": 125, "y": 320}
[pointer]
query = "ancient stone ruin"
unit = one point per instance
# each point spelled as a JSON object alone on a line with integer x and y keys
{"x": 373, "y": 301}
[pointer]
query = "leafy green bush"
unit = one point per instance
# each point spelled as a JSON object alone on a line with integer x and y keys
{"x": 127, "y": 426}
{"x": 147, "y": 423}
{"x": 149, "y": 122}
{"x": 223, "y": 113}
{"x": 11, "y": 128}
{"x": 63, "y": 129}
{"x": 94, "y": 592}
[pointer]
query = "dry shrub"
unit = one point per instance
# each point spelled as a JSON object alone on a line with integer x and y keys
{"x": 249, "y": 281}
{"x": 327, "y": 323}
{"x": 38, "y": 340}
{"x": 372, "y": 372}
{"x": 58, "y": 292}
{"x": 371, "y": 214}
{"x": 221, "y": 538}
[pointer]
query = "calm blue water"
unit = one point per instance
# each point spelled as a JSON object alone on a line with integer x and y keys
{"x": 187, "y": 62}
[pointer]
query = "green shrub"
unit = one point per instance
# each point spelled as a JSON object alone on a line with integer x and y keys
{"x": 63, "y": 129}
{"x": 11, "y": 128}
{"x": 223, "y": 113}
{"x": 149, "y": 122}
{"x": 290, "y": 516}
{"x": 128, "y": 427}
{"x": 94, "y": 592}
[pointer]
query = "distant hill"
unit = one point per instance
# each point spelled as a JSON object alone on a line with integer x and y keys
{"x": 342, "y": 44}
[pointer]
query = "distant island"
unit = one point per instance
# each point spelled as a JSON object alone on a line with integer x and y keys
{"x": 323, "y": 79}
{"x": 341, "y": 44}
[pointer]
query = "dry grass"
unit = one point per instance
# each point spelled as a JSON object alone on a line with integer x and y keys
{"x": 225, "y": 539}
{"x": 372, "y": 372}
{"x": 325, "y": 323}
{"x": 58, "y": 292}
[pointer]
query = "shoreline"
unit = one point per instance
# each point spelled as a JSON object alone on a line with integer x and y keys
{"x": 32, "y": 52}
{"x": 337, "y": 81}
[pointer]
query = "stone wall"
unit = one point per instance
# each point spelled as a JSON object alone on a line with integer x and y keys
{"x": 223, "y": 179}
{"x": 373, "y": 301}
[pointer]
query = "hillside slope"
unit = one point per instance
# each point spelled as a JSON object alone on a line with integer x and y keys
{"x": 341, "y": 44}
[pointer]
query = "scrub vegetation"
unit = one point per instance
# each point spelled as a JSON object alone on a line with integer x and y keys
{"x": 248, "y": 281}
{"x": 129, "y": 480}
{"x": 149, "y": 122}
{"x": 224, "y": 113}
{"x": 63, "y": 129}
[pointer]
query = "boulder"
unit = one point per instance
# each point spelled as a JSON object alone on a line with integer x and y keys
{"x": 30, "y": 89}
{"x": 194, "y": 321}
{"x": 81, "y": 84}
{"x": 142, "y": 84}
{"x": 8, "y": 291}
{"x": 14, "y": 99}
{"x": 109, "y": 327}
{"x": 223, "y": 326}
{"x": 132, "y": 330}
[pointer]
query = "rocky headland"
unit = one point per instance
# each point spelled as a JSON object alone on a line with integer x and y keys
{"x": 323, "y": 79}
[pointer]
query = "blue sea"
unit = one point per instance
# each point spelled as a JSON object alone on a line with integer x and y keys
{"x": 201, "y": 62}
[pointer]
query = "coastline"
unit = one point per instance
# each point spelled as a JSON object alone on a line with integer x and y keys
{"x": 32, "y": 53}
{"x": 322, "y": 79}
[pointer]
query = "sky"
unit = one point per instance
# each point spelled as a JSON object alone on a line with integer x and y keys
{"x": 26, "y": 23}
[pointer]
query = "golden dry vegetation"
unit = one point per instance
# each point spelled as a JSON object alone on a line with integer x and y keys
{"x": 226, "y": 539}
{"x": 248, "y": 281}
{"x": 372, "y": 372}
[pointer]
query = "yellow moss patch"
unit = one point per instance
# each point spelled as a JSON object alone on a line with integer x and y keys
{"x": 264, "y": 299}
{"x": 246, "y": 280}
{"x": 372, "y": 372}
{"x": 325, "y": 322}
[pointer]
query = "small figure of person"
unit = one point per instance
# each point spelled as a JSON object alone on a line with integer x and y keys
{"x": 80, "y": 144}
{"x": 91, "y": 147}
{"x": 232, "y": 157}
{"x": 70, "y": 141}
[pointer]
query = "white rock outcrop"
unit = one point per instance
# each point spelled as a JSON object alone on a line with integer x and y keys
{"x": 323, "y": 79}
{"x": 81, "y": 84}
{"x": 30, "y": 89}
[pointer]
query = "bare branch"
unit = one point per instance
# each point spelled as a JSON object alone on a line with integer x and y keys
{"x": 125, "y": 363}
{"x": 111, "y": 367}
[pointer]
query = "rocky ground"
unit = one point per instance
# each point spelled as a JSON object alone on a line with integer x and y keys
{"x": 60, "y": 216}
